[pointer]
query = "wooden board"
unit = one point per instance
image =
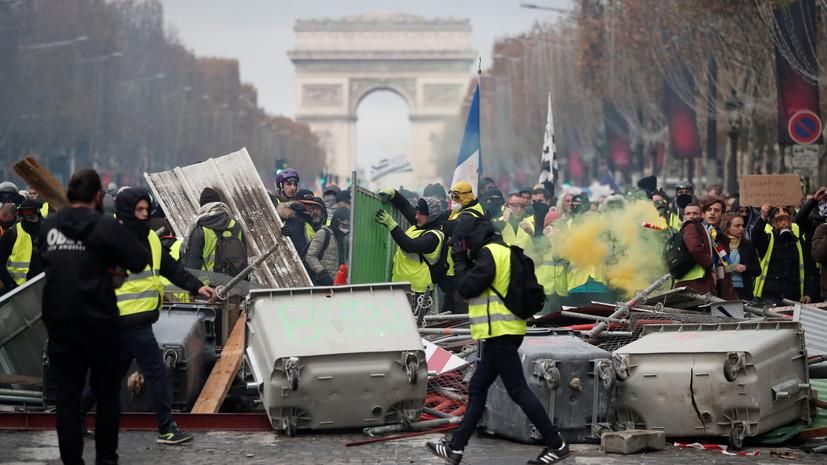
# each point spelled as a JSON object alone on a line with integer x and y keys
{"x": 778, "y": 190}
{"x": 37, "y": 176}
{"x": 224, "y": 371}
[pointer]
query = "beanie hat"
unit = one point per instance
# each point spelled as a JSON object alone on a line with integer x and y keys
{"x": 208, "y": 195}
{"x": 551, "y": 217}
{"x": 435, "y": 190}
{"x": 430, "y": 206}
{"x": 343, "y": 196}
{"x": 332, "y": 189}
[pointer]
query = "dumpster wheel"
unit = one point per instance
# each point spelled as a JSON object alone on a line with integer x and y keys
{"x": 737, "y": 435}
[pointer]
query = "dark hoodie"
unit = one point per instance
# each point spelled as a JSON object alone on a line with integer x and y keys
{"x": 425, "y": 243}
{"x": 473, "y": 263}
{"x": 169, "y": 267}
{"x": 79, "y": 247}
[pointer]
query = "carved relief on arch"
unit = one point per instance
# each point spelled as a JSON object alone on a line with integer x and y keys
{"x": 360, "y": 87}
{"x": 322, "y": 95}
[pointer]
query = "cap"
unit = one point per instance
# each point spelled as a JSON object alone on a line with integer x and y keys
{"x": 305, "y": 194}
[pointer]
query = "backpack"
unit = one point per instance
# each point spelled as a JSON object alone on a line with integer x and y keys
{"x": 230, "y": 252}
{"x": 525, "y": 296}
{"x": 678, "y": 259}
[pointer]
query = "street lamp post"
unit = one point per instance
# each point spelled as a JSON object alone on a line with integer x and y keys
{"x": 734, "y": 107}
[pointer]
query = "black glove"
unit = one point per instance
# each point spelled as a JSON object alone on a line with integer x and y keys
{"x": 285, "y": 231}
{"x": 323, "y": 278}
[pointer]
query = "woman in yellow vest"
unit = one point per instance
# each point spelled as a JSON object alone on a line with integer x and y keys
{"x": 18, "y": 247}
{"x": 485, "y": 262}
{"x": 139, "y": 301}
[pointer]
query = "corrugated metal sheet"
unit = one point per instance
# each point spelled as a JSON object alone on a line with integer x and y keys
{"x": 237, "y": 179}
{"x": 814, "y": 322}
{"x": 22, "y": 333}
{"x": 373, "y": 248}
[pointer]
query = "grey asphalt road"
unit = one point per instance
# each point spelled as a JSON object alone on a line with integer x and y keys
{"x": 219, "y": 447}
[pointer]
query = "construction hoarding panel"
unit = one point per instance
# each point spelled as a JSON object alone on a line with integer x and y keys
{"x": 236, "y": 179}
{"x": 373, "y": 248}
{"x": 22, "y": 333}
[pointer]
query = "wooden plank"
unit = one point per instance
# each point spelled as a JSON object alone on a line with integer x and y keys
{"x": 224, "y": 371}
{"x": 37, "y": 176}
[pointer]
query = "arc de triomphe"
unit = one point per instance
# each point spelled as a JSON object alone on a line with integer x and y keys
{"x": 340, "y": 61}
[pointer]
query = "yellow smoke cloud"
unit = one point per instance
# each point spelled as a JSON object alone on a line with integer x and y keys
{"x": 616, "y": 245}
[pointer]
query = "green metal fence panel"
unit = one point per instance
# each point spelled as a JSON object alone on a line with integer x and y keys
{"x": 373, "y": 248}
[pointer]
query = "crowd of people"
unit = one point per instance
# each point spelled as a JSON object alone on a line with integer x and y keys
{"x": 111, "y": 255}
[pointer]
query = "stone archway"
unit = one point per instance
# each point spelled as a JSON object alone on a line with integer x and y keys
{"x": 340, "y": 61}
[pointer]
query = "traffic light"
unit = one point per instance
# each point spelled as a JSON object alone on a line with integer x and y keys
{"x": 280, "y": 164}
{"x": 323, "y": 179}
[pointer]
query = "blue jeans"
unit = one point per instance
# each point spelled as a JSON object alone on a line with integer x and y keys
{"x": 500, "y": 358}
{"x": 139, "y": 344}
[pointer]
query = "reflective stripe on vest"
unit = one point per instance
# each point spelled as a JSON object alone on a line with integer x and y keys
{"x": 21, "y": 256}
{"x": 141, "y": 292}
{"x": 758, "y": 287}
{"x": 309, "y": 232}
{"x": 410, "y": 267}
{"x": 487, "y": 314}
{"x": 211, "y": 244}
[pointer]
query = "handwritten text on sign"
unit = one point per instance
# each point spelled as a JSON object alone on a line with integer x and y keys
{"x": 778, "y": 190}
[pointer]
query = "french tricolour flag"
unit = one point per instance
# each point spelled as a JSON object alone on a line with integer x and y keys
{"x": 469, "y": 160}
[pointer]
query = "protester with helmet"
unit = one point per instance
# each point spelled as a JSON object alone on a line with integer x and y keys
{"x": 287, "y": 183}
{"x": 684, "y": 195}
{"x": 18, "y": 246}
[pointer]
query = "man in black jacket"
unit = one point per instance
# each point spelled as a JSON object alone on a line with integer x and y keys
{"x": 18, "y": 247}
{"x": 138, "y": 312}
{"x": 79, "y": 248}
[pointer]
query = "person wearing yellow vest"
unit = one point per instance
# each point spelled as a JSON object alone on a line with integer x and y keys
{"x": 422, "y": 255}
{"x": 484, "y": 261}
{"x": 551, "y": 269}
{"x": 465, "y": 208}
{"x": 516, "y": 227}
{"x": 18, "y": 247}
{"x": 684, "y": 195}
{"x": 139, "y": 302}
{"x": 214, "y": 225}
{"x": 778, "y": 242}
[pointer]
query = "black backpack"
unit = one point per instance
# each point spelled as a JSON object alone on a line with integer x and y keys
{"x": 525, "y": 296}
{"x": 230, "y": 252}
{"x": 678, "y": 259}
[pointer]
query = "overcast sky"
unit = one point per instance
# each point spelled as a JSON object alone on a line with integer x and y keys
{"x": 260, "y": 32}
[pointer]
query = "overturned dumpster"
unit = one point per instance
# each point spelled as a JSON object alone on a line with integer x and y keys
{"x": 733, "y": 380}
{"x": 335, "y": 357}
{"x": 22, "y": 333}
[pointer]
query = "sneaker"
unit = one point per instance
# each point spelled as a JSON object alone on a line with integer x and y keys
{"x": 550, "y": 455}
{"x": 443, "y": 450}
{"x": 174, "y": 436}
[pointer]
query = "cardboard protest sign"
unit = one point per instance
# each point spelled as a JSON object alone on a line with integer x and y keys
{"x": 778, "y": 190}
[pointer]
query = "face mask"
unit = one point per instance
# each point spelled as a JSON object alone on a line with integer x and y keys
{"x": 822, "y": 209}
{"x": 30, "y": 227}
{"x": 683, "y": 200}
{"x": 456, "y": 206}
{"x": 344, "y": 231}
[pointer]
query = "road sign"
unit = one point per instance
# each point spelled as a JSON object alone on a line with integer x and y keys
{"x": 805, "y": 160}
{"x": 804, "y": 127}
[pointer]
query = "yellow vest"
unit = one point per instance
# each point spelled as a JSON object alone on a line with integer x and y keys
{"x": 211, "y": 244}
{"x": 410, "y": 266}
{"x": 579, "y": 275}
{"x": 551, "y": 273}
{"x": 488, "y": 315}
{"x": 142, "y": 292}
{"x": 21, "y": 256}
{"x": 520, "y": 238}
{"x": 169, "y": 288}
{"x": 675, "y": 221}
{"x": 765, "y": 262}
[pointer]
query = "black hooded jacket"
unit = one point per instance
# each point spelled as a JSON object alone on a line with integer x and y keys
{"x": 79, "y": 247}
{"x": 424, "y": 244}
{"x": 170, "y": 268}
{"x": 473, "y": 263}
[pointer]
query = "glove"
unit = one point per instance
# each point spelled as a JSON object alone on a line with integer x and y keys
{"x": 383, "y": 217}
{"x": 387, "y": 194}
{"x": 285, "y": 231}
{"x": 323, "y": 279}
